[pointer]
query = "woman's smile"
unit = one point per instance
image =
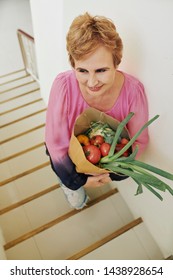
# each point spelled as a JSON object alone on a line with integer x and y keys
{"x": 96, "y": 72}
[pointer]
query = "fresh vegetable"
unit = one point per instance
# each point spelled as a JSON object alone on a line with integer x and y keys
{"x": 105, "y": 148}
{"x": 83, "y": 139}
{"x": 98, "y": 128}
{"x": 97, "y": 140}
{"x": 92, "y": 153}
{"x": 140, "y": 172}
{"x": 124, "y": 141}
{"x": 115, "y": 154}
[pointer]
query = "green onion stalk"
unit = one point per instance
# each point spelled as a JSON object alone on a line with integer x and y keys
{"x": 142, "y": 173}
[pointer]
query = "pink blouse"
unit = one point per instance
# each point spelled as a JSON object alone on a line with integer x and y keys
{"x": 66, "y": 103}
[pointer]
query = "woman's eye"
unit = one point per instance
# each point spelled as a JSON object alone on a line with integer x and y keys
{"x": 82, "y": 71}
{"x": 100, "y": 70}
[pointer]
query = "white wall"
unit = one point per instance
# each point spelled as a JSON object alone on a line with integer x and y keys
{"x": 14, "y": 14}
{"x": 146, "y": 29}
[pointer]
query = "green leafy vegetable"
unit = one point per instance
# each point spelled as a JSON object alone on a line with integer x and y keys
{"x": 140, "y": 172}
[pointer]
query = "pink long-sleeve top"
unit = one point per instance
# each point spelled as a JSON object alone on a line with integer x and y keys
{"x": 66, "y": 103}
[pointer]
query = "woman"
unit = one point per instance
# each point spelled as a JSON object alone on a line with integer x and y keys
{"x": 95, "y": 51}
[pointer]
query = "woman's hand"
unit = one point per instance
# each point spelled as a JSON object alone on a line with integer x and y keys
{"x": 97, "y": 180}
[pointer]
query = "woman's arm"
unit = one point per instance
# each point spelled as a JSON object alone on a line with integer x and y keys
{"x": 57, "y": 136}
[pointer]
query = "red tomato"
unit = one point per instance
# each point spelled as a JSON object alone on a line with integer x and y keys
{"x": 97, "y": 140}
{"x": 105, "y": 148}
{"x": 92, "y": 153}
{"x": 119, "y": 147}
{"x": 124, "y": 141}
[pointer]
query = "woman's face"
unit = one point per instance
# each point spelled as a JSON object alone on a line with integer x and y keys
{"x": 96, "y": 72}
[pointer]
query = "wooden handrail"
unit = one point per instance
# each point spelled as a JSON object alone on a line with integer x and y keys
{"x": 19, "y": 31}
{"x": 27, "y": 46}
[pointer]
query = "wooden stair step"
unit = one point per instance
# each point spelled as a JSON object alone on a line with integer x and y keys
{"x": 19, "y": 100}
{"x": 15, "y": 83}
{"x": 27, "y": 186}
{"x": 22, "y": 114}
{"x": 78, "y": 231}
{"x": 15, "y": 92}
{"x": 15, "y": 98}
{"x": 17, "y": 87}
{"x": 28, "y": 199}
{"x": 12, "y": 75}
{"x": 58, "y": 220}
{"x": 134, "y": 244}
{"x": 22, "y": 144}
{"x": 106, "y": 239}
{"x": 23, "y": 127}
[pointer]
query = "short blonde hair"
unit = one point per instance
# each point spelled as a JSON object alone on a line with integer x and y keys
{"x": 86, "y": 33}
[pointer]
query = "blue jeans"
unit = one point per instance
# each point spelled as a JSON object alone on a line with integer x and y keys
{"x": 77, "y": 199}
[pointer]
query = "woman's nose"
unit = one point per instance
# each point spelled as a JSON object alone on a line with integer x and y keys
{"x": 92, "y": 80}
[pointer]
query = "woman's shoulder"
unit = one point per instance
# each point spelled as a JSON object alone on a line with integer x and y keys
{"x": 65, "y": 76}
{"x": 64, "y": 81}
{"x": 132, "y": 81}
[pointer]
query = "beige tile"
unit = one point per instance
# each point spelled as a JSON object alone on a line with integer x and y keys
{"x": 27, "y": 250}
{"x": 36, "y": 182}
{"x": 15, "y": 83}
{"x": 22, "y": 126}
{"x": 46, "y": 208}
{"x": 22, "y": 112}
{"x": 121, "y": 208}
{"x": 79, "y": 231}
{"x": 18, "y": 91}
{"x": 148, "y": 242}
{"x": 11, "y": 104}
{"x": 22, "y": 143}
{"x": 124, "y": 247}
{"x": 5, "y": 171}
{"x": 23, "y": 163}
{"x": 12, "y": 76}
{"x": 14, "y": 223}
{"x": 27, "y": 161}
{"x": 8, "y": 195}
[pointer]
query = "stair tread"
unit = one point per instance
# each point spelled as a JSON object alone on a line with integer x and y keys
{"x": 15, "y": 93}
{"x": 25, "y": 162}
{"x": 27, "y": 186}
{"x": 134, "y": 247}
{"x": 79, "y": 235}
{"x": 13, "y": 83}
{"x": 14, "y": 103}
{"x": 22, "y": 127}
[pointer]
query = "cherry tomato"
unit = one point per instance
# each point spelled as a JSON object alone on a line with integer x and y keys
{"x": 119, "y": 147}
{"x": 97, "y": 140}
{"x": 124, "y": 141}
{"x": 92, "y": 153}
{"x": 83, "y": 139}
{"x": 105, "y": 148}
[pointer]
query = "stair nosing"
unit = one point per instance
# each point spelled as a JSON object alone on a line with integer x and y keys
{"x": 12, "y": 73}
{"x": 14, "y": 80}
{"x": 22, "y": 133}
{"x": 21, "y": 106}
{"x": 23, "y": 118}
{"x": 106, "y": 239}
{"x": 58, "y": 220}
{"x": 18, "y": 96}
{"x": 23, "y": 85}
{"x": 20, "y": 175}
{"x": 28, "y": 199}
{"x": 22, "y": 152}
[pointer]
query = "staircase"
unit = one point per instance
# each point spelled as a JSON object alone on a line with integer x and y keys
{"x": 36, "y": 221}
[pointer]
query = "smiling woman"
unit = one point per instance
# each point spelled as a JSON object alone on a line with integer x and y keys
{"x": 95, "y": 51}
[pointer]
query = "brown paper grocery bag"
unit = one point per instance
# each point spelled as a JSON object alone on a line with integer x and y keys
{"x": 81, "y": 125}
